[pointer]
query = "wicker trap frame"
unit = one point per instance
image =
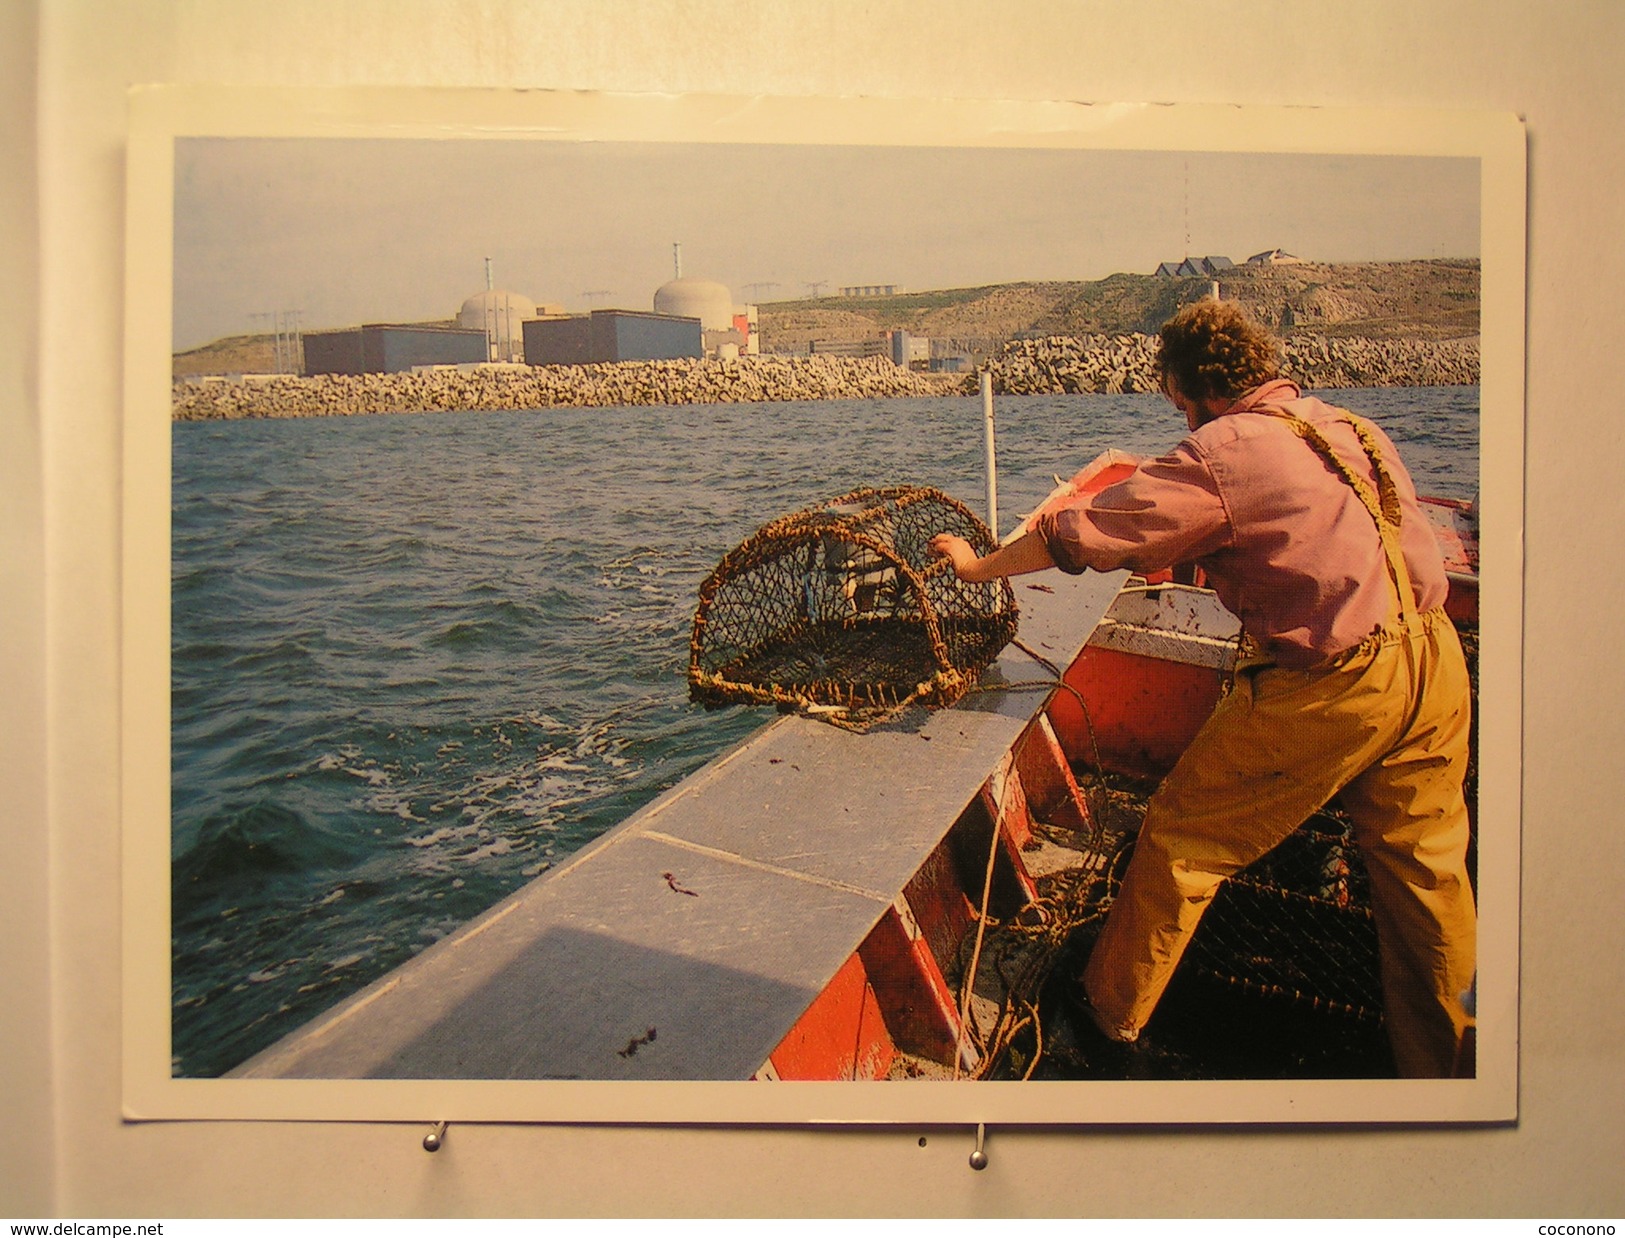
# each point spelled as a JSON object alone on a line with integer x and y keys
{"x": 841, "y": 610}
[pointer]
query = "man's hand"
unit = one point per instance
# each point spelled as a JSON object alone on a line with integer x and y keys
{"x": 956, "y": 550}
{"x": 1027, "y": 553}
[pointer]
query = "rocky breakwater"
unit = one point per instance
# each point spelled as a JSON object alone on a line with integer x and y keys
{"x": 1126, "y": 363}
{"x": 449, "y": 389}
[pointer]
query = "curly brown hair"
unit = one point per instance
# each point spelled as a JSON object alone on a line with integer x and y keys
{"x": 1216, "y": 349}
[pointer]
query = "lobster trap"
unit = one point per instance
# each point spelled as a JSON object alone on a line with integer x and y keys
{"x": 842, "y": 610}
{"x": 1297, "y": 924}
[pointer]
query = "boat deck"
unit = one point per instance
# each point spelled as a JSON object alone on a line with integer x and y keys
{"x": 688, "y": 941}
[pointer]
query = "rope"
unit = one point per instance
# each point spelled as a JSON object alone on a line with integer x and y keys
{"x": 1059, "y": 681}
{"x": 1004, "y": 1029}
{"x": 968, "y": 982}
{"x": 1068, "y": 907}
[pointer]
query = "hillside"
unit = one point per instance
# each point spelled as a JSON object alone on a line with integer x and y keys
{"x": 1425, "y": 301}
{"x": 1431, "y": 300}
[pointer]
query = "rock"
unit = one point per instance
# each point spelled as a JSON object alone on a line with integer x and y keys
{"x": 1114, "y": 364}
{"x": 745, "y": 380}
{"x": 1056, "y": 364}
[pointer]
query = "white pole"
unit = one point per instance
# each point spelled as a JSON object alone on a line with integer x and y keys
{"x": 992, "y": 466}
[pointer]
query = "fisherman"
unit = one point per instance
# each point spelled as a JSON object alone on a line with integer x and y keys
{"x": 1350, "y": 681}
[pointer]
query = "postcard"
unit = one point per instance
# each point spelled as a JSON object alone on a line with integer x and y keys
{"x": 546, "y": 697}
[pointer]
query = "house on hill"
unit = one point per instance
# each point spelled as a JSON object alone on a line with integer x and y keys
{"x": 1203, "y": 267}
{"x": 1272, "y": 257}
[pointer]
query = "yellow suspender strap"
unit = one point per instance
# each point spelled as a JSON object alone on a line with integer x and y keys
{"x": 1383, "y": 503}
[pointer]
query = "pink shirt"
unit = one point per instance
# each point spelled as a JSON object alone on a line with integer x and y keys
{"x": 1286, "y": 544}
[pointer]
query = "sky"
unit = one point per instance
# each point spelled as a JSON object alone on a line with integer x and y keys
{"x": 353, "y": 230}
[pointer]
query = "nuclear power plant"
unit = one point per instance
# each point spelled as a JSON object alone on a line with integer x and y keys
{"x": 690, "y": 317}
{"x": 725, "y": 330}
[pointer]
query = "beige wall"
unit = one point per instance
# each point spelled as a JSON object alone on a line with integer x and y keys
{"x": 28, "y": 1147}
{"x": 64, "y": 1150}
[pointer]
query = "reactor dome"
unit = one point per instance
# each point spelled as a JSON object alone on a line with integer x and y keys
{"x": 704, "y": 299}
{"x": 501, "y": 315}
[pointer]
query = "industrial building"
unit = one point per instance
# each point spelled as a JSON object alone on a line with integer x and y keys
{"x": 501, "y": 315}
{"x": 724, "y": 331}
{"x": 612, "y": 335}
{"x": 384, "y": 348}
{"x": 692, "y": 318}
{"x": 749, "y": 339}
{"x": 909, "y": 351}
{"x": 871, "y": 346}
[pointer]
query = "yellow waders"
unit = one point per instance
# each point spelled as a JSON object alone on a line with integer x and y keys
{"x": 1385, "y": 725}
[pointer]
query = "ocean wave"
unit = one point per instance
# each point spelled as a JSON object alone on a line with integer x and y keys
{"x": 238, "y": 849}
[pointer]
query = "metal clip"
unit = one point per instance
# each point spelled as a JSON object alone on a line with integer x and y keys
{"x": 978, "y": 1158}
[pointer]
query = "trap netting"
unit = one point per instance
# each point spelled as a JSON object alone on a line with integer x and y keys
{"x": 1297, "y": 924}
{"x": 842, "y": 610}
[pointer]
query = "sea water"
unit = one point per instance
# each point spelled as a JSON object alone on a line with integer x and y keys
{"x": 420, "y": 659}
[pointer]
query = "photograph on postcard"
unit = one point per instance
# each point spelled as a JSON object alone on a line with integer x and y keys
{"x": 835, "y": 610}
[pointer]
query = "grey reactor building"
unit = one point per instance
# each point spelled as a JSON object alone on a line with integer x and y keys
{"x": 691, "y": 318}
{"x": 603, "y": 335}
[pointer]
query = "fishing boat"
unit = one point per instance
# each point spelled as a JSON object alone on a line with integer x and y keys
{"x": 823, "y": 904}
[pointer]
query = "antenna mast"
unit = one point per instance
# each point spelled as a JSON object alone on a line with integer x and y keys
{"x": 1187, "y": 208}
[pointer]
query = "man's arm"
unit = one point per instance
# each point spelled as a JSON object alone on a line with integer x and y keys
{"x": 1027, "y": 553}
